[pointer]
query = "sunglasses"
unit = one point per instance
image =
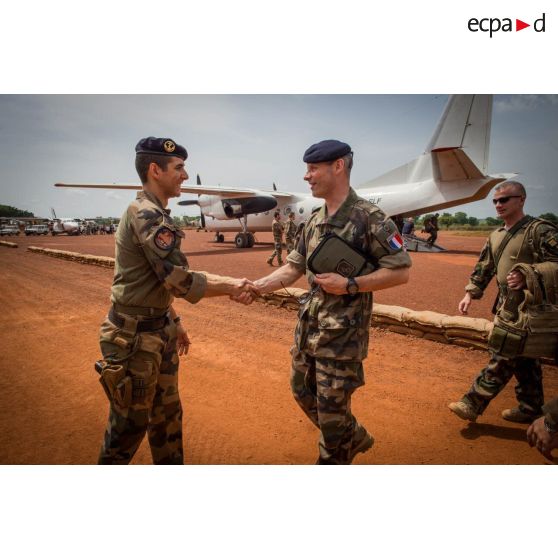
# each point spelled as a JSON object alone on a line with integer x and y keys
{"x": 305, "y": 297}
{"x": 504, "y": 199}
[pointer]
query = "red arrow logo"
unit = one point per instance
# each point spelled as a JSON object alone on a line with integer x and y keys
{"x": 519, "y": 25}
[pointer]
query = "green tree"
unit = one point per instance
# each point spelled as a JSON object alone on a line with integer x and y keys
{"x": 460, "y": 218}
{"x": 493, "y": 221}
{"x": 473, "y": 221}
{"x": 9, "y": 211}
{"x": 446, "y": 220}
{"x": 549, "y": 217}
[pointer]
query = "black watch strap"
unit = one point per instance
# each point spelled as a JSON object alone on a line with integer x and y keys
{"x": 352, "y": 286}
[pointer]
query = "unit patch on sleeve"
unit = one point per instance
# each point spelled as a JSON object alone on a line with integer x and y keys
{"x": 165, "y": 239}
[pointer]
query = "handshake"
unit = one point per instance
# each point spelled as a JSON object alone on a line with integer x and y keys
{"x": 244, "y": 291}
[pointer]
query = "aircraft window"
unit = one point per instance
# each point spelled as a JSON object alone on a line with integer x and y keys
{"x": 301, "y": 210}
{"x": 287, "y": 210}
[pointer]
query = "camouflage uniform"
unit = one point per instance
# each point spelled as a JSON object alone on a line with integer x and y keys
{"x": 277, "y": 230}
{"x": 331, "y": 336}
{"x": 290, "y": 233}
{"x": 539, "y": 247}
{"x": 149, "y": 271}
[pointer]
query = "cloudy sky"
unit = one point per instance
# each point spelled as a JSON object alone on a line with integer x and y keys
{"x": 247, "y": 140}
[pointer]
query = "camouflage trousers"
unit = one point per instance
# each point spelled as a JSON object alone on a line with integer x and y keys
{"x": 323, "y": 387}
{"x": 277, "y": 252}
{"x": 151, "y": 360}
{"x": 499, "y": 371}
{"x": 290, "y": 243}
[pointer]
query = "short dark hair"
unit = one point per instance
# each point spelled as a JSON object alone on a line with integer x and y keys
{"x": 348, "y": 160}
{"x": 517, "y": 187}
{"x": 143, "y": 160}
{"x": 277, "y": 214}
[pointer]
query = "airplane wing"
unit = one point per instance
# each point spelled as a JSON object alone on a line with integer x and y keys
{"x": 208, "y": 190}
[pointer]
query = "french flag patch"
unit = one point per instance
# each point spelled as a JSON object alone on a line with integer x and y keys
{"x": 395, "y": 241}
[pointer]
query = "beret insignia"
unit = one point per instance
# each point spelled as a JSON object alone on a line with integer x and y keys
{"x": 169, "y": 146}
{"x": 165, "y": 239}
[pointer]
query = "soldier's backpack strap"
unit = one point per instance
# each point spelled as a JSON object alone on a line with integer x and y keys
{"x": 508, "y": 237}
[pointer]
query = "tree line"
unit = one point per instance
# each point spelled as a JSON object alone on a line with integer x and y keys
{"x": 462, "y": 220}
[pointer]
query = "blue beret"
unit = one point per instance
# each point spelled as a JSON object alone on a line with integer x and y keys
{"x": 327, "y": 150}
{"x": 161, "y": 146}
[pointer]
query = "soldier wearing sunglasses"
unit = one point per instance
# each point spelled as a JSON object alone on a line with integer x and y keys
{"x": 522, "y": 239}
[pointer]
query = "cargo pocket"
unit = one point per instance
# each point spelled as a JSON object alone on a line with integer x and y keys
{"x": 143, "y": 380}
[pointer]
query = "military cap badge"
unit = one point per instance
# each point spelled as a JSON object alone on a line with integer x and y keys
{"x": 169, "y": 146}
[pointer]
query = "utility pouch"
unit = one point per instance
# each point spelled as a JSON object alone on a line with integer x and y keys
{"x": 335, "y": 255}
{"x": 507, "y": 342}
{"x": 116, "y": 384}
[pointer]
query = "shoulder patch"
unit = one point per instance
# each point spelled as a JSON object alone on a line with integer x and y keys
{"x": 165, "y": 239}
{"x": 395, "y": 241}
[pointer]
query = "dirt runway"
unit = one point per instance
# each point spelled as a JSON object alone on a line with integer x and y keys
{"x": 234, "y": 384}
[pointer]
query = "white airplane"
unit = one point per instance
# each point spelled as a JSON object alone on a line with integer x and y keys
{"x": 64, "y": 225}
{"x": 451, "y": 171}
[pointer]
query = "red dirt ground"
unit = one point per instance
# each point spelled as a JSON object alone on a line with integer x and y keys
{"x": 234, "y": 384}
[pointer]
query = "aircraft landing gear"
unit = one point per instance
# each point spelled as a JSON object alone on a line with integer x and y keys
{"x": 219, "y": 237}
{"x": 244, "y": 240}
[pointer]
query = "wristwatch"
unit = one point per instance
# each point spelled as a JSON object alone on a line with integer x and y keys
{"x": 352, "y": 286}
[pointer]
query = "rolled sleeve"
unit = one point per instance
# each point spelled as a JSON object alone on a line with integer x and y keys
{"x": 474, "y": 290}
{"x": 395, "y": 261}
{"x": 197, "y": 287}
{"x": 298, "y": 260}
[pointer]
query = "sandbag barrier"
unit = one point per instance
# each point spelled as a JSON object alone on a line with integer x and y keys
{"x": 102, "y": 261}
{"x": 8, "y": 244}
{"x": 453, "y": 330}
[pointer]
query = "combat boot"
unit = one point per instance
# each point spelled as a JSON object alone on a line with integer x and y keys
{"x": 270, "y": 261}
{"x": 517, "y": 415}
{"x": 362, "y": 442}
{"x": 463, "y": 411}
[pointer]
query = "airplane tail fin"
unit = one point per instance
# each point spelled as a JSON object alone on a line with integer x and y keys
{"x": 458, "y": 149}
{"x": 53, "y": 213}
{"x": 465, "y": 124}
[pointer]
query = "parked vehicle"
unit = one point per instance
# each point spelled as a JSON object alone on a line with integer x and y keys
{"x": 9, "y": 230}
{"x": 36, "y": 230}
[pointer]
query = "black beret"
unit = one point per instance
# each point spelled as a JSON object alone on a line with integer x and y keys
{"x": 161, "y": 146}
{"x": 327, "y": 150}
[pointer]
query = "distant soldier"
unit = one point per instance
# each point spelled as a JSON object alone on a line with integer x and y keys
{"x": 522, "y": 239}
{"x": 431, "y": 227}
{"x": 332, "y": 333}
{"x": 142, "y": 336}
{"x": 409, "y": 226}
{"x": 290, "y": 233}
{"x": 277, "y": 230}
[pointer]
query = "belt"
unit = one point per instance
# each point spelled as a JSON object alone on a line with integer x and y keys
{"x": 152, "y": 324}
{"x": 139, "y": 310}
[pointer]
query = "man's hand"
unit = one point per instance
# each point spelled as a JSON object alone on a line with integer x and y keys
{"x": 539, "y": 437}
{"x": 244, "y": 291}
{"x": 516, "y": 280}
{"x": 332, "y": 283}
{"x": 465, "y": 303}
{"x": 182, "y": 341}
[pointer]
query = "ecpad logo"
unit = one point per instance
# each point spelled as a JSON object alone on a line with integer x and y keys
{"x": 494, "y": 24}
